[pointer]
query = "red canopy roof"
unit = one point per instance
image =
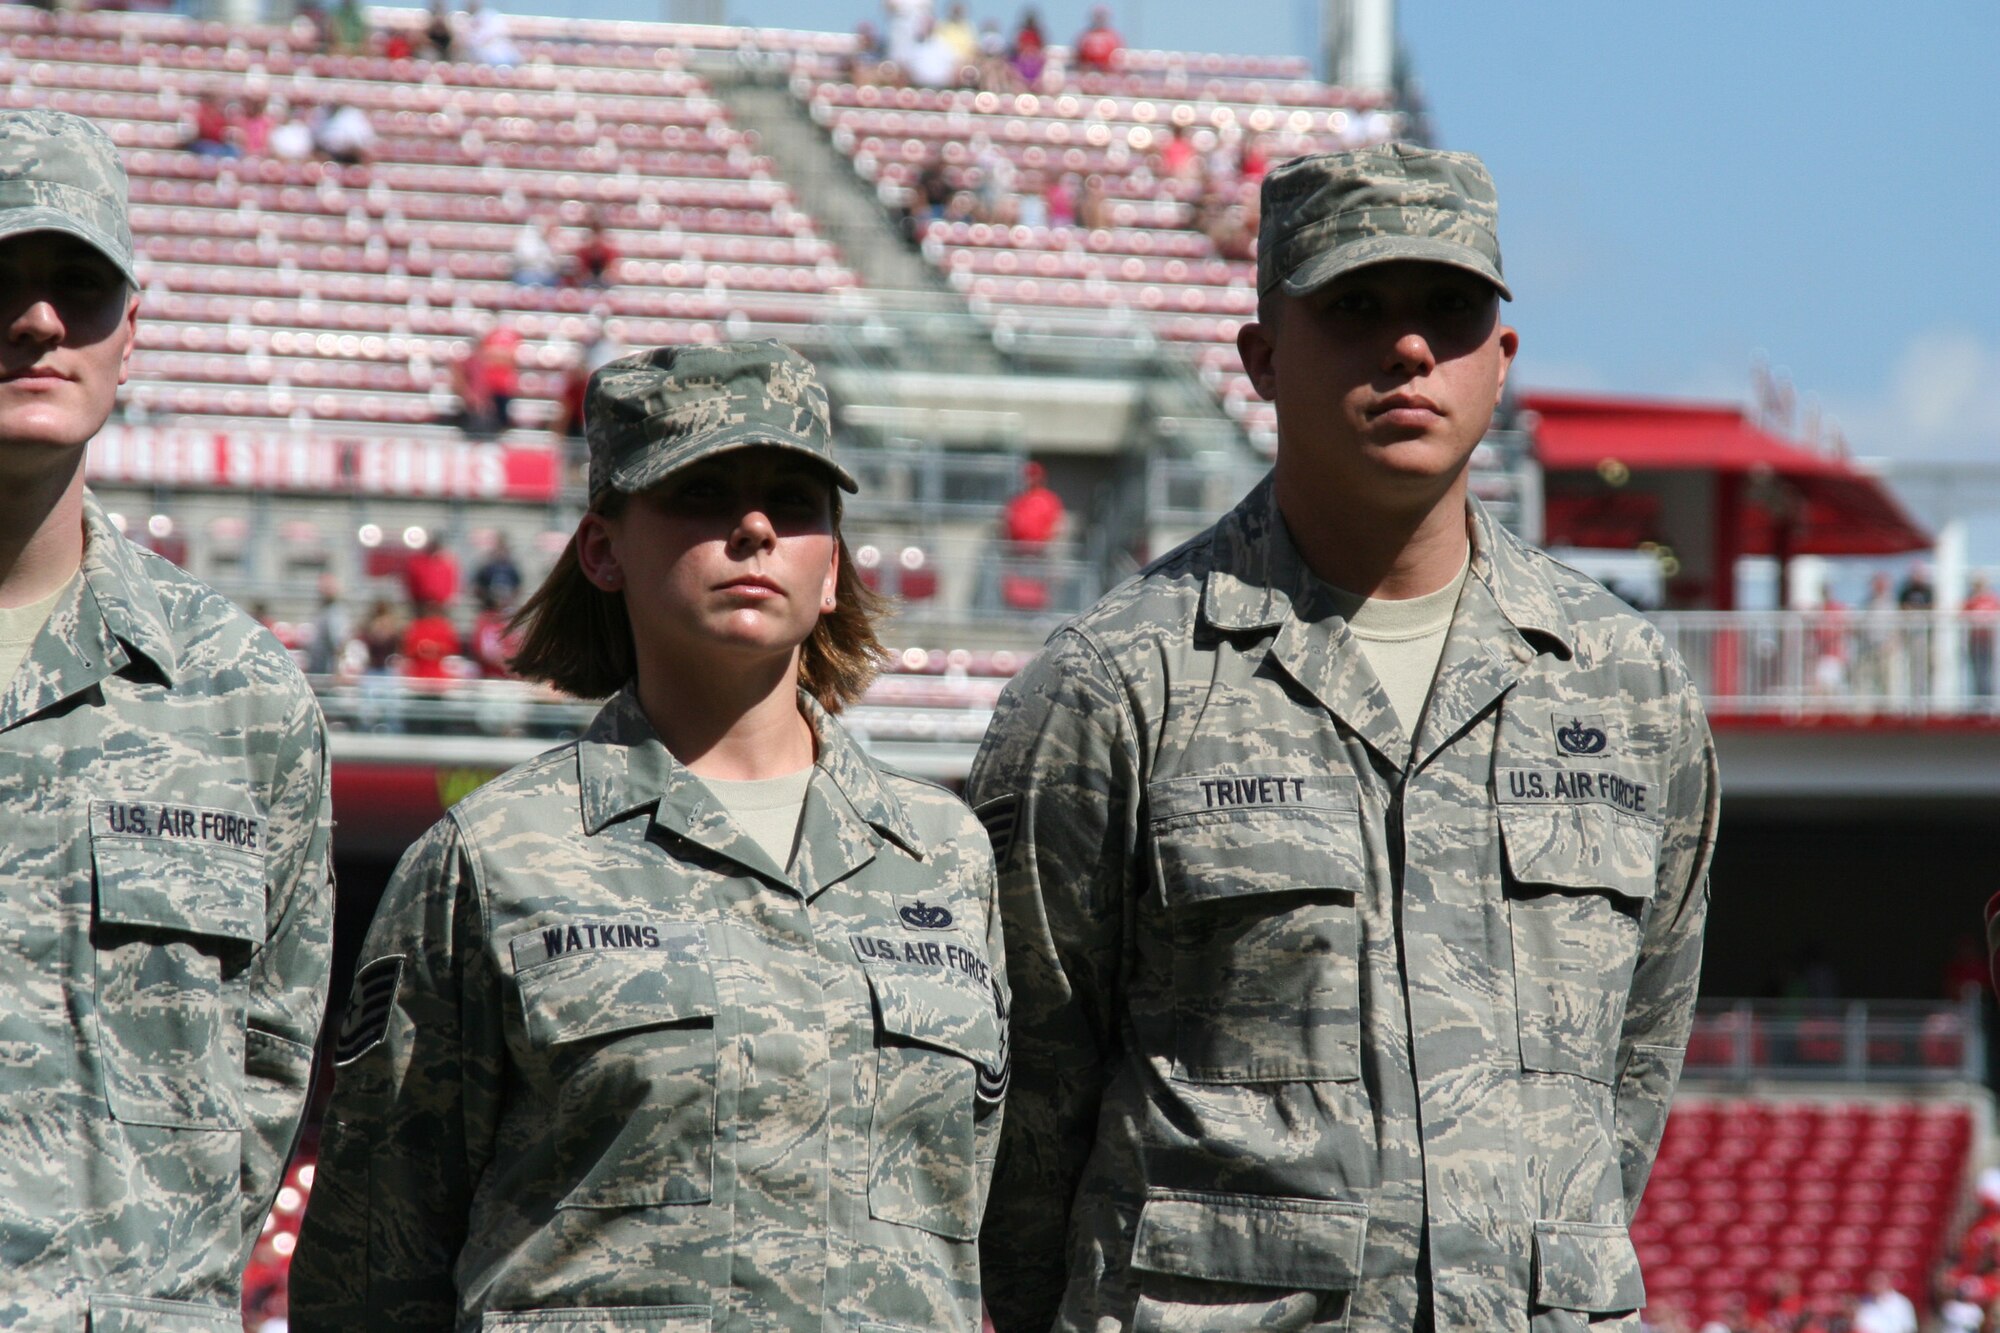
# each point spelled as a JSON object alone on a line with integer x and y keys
{"x": 1835, "y": 508}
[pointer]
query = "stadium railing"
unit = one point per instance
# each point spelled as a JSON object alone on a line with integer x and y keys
{"x": 1838, "y": 1041}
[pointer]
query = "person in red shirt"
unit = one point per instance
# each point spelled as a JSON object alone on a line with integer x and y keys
{"x": 430, "y": 577}
{"x": 1097, "y": 49}
{"x": 1030, "y": 522}
{"x": 494, "y": 640}
{"x": 592, "y": 261}
{"x": 428, "y": 641}
{"x": 488, "y": 380}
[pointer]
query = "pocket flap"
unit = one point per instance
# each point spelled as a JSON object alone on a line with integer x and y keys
{"x": 145, "y": 1314}
{"x": 1587, "y": 1266}
{"x": 636, "y": 1319}
{"x": 1580, "y": 847}
{"x": 186, "y": 888}
{"x": 1213, "y": 857}
{"x": 1297, "y": 1244}
{"x": 935, "y": 1010}
{"x": 574, "y": 996}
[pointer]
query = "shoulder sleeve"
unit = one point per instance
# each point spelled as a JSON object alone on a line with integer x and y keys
{"x": 1659, "y": 1012}
{"x": 288, "y": 976}
{"x": 417, "y": 1059}
{"x": 1056, "y": 784}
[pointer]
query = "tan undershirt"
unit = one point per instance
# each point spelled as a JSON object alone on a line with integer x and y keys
{"x": 1403, "y": 641}
{"x": 20, "y": 626}
{"x": 768, "y": 809}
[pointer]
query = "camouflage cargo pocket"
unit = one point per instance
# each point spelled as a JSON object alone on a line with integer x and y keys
{"x": 1588, "y": 1267}
{"x": 1267, "y": 942}
{"x": 935, "y": 1032}
{"x": 1577, "y": 884}
{"x": 629, "y": 1038}
{"x": 173, "y": 927}
{"x": 629, "y": 1319}
{"x": 1204, "y": 1261}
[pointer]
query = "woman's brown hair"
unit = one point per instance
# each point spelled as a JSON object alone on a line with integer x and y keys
{"x": 577, "y": 637}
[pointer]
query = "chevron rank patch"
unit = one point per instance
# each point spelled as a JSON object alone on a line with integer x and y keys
{"x": 369, "y": 1005}
{"x": 1001, "y": 816}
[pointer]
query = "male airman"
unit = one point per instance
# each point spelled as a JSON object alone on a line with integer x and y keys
{"x": 165, "y": 913}
{"x": 1353, "y": 856}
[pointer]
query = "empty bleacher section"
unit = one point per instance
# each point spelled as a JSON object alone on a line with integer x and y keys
{"x": 1756, "y": 1195}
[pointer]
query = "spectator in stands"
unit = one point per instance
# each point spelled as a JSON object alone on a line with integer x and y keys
{"x": 1031, "y": 206}
{"x": 498, "y": 578}
{"x": 381, "y": 638}
{"x": 1255, "y": 160}
{"x": 1030, "y": 523}
{"x": 1098, "y": 47}
{"x": 430, "y": 577}
{"x": 440, "y": 41}
{"x": 486, "y": 38}
{"x": 996, "y": 176}
{"x": 1830, "y": 647}
{"x": 535, "y": 262}
{"x": 1060, "y": 199}
{"x": 292, "y": 138}
{"x": 331, "y": 629}
{"x": 934, "y": 189}
{"x": 1982, "y": 617}
{"x": 865, "y": 61}
{"x": 398, "y": 44}
{"x": 488, "y": 379}
{"x": 253, "y": 127}
{"x": 956, "y": 31}
{"x": 933, "y": 62}
{"x": 1878, "y": 665}
{"x": 907, "y": 22}
{"x": 494, "y": 639}
{"x": 1917, "y": 595}
{"x": 996, "y": 74}
{"x": 428, "y": 640}
{"x": 1177, "y": 155}
{"x": 348, "y": 32}
{"x": 209, "y": 136}
{"x": 344, "y": 134}
{"x": 1028, "y": 53}
{"x": 1885, "y": 1310}
{"x": 600, "y": 348}
{"x": 1093, "y": 207}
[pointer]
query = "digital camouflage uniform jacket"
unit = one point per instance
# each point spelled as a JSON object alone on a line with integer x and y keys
{"x": 165, "y": 933}
{"x": 608, "y": 1067}
{"x": 1311, "y": 1033}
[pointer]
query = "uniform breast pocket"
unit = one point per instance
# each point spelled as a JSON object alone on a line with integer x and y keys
{"x": 1578, "y": 879}
{"x": 1264, "y": 909}
{"x": 629, "y": 1041}
{"x": 935, "y": 1034}
{"x": 174, "y": 925}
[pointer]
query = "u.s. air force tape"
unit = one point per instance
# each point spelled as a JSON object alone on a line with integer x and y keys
{"x": 369, "y": 1005}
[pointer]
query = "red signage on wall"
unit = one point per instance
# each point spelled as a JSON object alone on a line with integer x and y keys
{"x": 283, "y": 461}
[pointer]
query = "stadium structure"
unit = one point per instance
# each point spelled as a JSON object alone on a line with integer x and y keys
{"x": 289, "y": 434}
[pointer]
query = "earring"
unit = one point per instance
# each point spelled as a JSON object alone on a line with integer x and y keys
{"x": 828, "y": 603}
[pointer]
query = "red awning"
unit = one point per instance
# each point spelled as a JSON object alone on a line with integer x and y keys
{"x": 1830, "y": 506}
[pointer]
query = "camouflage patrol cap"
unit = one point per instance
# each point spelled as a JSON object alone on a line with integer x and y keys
{"x": 59, "y": 172}
{"x": 1331, "y": 213}
{"x": 652, "y": 413}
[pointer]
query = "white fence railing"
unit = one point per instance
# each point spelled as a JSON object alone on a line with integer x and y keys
{"x": 1861, "y": 663}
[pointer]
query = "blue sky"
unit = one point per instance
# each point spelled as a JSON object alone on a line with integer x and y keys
{"x": 1686, "y": 187}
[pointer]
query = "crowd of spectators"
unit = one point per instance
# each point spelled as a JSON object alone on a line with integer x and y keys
{"x": 438, "y": 633}
{"x": 479, "y": 33}
{"x": 333, "y": 131}
{"x": 919, "y": 49}
{"x": 1779, "y": 1304}
{"x": 1873, "y": 652}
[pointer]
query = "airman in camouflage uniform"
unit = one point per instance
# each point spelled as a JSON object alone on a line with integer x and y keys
{"x": 1321, "y": 1024}
{"x": 611, "y": 1065}
{"x": 165, "y": 913}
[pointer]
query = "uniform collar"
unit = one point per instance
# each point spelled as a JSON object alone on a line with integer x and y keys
{"x": 623, "y": 768}
{"x": 1259, "y": 580}
{"x": 111, "y": 614}
{"x": 126, "y": 594}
